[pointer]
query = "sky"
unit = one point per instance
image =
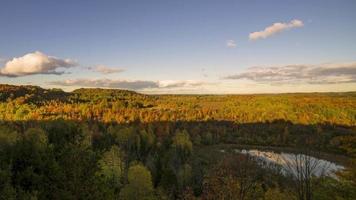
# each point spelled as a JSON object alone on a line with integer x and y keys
{"x": 185, "y": 46}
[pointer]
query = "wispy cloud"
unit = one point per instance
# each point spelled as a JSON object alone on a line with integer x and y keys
{"x": 180, "y": 83}
{"x": 231, "y": 44}
{"x": 128, "y": 84}
{"x": 310, "y": 74}
{"x": 275, "y": 28}
{"x": 105, "y": 69}
{"x": 107, "y": 83}
{"x": 35, "y": 63}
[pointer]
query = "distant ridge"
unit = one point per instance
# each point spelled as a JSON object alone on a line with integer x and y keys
{"x": 36, "y": 94}
{"x": 30, "y": 93}
{"x": 15, "y": 91}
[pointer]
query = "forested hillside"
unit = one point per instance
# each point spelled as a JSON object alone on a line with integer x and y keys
{"x": 121, "y": 106}
{"x": 119, "y": 144}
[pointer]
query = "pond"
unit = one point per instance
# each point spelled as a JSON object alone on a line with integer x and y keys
{"x": 294, "y": 163}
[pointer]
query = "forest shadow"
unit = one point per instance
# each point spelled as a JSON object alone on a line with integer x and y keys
{"x": 179, "y": 156}
{"x": 328, "y": 138}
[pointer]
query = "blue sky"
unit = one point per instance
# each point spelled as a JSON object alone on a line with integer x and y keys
{"x": 180, "y": 46}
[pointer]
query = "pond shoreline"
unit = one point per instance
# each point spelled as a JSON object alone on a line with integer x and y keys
{"x": 336, "y": 158}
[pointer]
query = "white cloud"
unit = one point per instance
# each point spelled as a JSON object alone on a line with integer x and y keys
{"x": 275, "y": 28}
{"x": 231, "y": 43}
{"x": 105, "y": 69}
{"x": 35, "y": 63}
{"x": 309, "y": 74}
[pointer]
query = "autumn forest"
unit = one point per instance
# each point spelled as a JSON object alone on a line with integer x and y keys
{"x": 119, "y": 144}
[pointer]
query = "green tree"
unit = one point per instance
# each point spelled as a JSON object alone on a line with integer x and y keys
{"x": 140, "y": 184}
{"x": 36, "y": 136}
{"x": 112, "y": 165}
{"x": 111, "y": 170}
{"x": 7, "y": 136}
{"x": 184, "y": 176}
{"x": 147, "y": 141}
{"x": 182, "y": 145}
{"x": 207, "y": 138}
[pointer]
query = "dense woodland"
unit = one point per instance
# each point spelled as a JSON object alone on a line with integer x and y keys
{"x": 118, "y": 144}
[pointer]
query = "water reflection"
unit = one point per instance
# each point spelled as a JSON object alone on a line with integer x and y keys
{"x": 295, "y": 163}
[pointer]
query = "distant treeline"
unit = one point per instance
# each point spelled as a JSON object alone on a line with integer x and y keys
{"x": 122, "y": 106}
